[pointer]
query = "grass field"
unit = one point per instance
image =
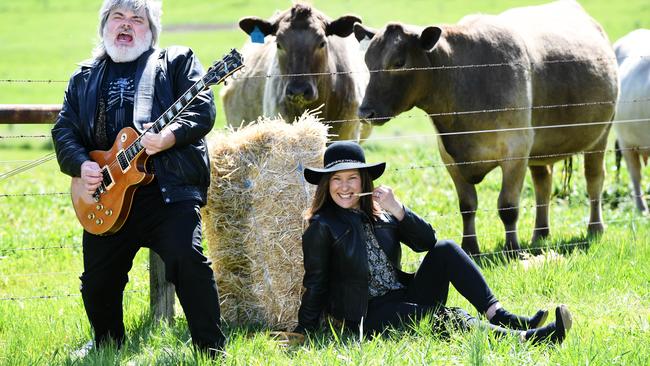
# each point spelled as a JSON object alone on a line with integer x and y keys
{"x": 605, "y": 282}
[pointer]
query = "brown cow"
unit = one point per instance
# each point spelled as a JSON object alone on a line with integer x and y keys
{"x": 532, "y": 57}
{"x": 332, "y": 74}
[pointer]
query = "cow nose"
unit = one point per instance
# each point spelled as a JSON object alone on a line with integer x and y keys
{"x": 366, "y": 113}
{"x": 300, "y": 91}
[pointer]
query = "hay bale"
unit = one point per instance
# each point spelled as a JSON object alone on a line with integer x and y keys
{"x": 253, "y": 218}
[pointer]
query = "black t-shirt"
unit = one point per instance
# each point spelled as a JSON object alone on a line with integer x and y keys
{"x": 118, "y": 93}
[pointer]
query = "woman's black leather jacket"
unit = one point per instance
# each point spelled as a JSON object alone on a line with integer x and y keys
{"x": 336, "y": 263}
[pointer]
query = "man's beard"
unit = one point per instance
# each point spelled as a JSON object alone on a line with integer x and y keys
{"x": 127, "y": 54}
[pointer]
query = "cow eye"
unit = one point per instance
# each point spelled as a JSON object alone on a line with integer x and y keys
{"x": 279, "y": 45}
{"x": 322, "y": 45}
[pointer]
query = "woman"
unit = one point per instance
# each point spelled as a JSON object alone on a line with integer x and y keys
{"x": 352, "y": 260}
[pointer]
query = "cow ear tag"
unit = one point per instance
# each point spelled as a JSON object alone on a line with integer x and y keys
{"x": 364, "y": 43}
{"x": 257, "y": 36}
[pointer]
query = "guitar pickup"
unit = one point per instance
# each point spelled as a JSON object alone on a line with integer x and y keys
{"x": 107, "y": 180}
{"x": 123, "y": 161}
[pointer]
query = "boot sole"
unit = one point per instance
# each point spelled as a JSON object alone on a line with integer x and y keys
{"x": 540, "y": 322}
{"x": 567, "y": 319}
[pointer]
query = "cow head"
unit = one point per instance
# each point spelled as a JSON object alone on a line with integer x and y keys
{"x": 393, "y": 56}
{"x": 301, "y": 37}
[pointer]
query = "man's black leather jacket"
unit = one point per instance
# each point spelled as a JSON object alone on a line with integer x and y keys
{"x": 336, "y": 262}
{"x": 183, "y": 171}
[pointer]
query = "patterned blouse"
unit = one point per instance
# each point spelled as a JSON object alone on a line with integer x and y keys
{"x": 382, "y": 276}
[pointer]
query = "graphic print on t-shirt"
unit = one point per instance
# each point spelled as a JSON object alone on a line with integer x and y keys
{"x": 121, "y": 91}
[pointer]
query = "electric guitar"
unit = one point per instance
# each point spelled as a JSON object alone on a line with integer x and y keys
{"x": 123, "y": 167}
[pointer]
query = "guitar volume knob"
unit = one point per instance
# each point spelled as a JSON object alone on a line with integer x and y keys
{"x": 108, "y": 212}
{"x": 99, "y": 221}
{"x": 99, "y": 207}
{"x": 91, "y": 216}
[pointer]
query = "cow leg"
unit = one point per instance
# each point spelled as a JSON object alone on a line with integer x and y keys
{"x": 512, "y": 181}
{"x": 595, "y": 176}
{"x": 366, "y": 129}
{"x": 634, "y": 168}
{"x": 350, "y": 131}
{"x": 543, "y": 182}
{"x": 468, "y": 204}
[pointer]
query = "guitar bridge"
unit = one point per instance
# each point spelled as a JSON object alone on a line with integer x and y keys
{"x": 107, "y": 183}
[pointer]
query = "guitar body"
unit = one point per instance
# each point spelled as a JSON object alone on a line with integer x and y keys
{"x": 105, "y": 213}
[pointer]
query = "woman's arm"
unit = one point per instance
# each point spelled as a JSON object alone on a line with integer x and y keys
{"x": 416, "y": 233}
{"x": 316, "y": 243}
{"x": 413, "y": 231}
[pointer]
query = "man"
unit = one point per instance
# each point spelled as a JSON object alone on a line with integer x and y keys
{"x": 106, "y": 94}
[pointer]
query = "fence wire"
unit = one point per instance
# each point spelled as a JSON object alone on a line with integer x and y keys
{"x": 502, "y": 253}
{"x": 430, "y": 215}
{"x": 239, "y": 75}
{"x": 34, "y": 163}
{"x": 24, "y": 136}
{"x": 56, "y": 296}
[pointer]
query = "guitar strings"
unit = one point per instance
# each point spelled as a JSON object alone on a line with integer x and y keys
{"x": 114, "y": 162}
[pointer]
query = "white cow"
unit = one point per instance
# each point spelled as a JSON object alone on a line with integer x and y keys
{"x": 633, "y": 56}
{"x": 322, "y": 65}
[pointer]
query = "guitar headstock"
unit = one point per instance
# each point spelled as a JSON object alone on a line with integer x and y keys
{"x": 223, "y": 68}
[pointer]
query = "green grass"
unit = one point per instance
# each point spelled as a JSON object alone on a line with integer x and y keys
{"x": 605, "y": 283}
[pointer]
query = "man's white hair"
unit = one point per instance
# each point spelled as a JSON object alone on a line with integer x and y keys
{"x": 153, "y": 9}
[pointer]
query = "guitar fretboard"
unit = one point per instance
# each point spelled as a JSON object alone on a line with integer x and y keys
{"x": 127, "y": 155}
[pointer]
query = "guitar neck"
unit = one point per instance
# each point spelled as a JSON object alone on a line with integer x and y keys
{"x": 166, "y": 118}
{"x": 215, "y": 74}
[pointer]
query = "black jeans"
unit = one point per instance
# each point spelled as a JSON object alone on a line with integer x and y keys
{"x": 174, "y": 232}
{"x": 427, "y": 293}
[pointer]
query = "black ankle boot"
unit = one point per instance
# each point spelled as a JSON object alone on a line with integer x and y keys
{"x": 508, "y": 320}
{"x": 554, "y": 332}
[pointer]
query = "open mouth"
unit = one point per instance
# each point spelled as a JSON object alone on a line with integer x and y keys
{"x": 124, "y": 37}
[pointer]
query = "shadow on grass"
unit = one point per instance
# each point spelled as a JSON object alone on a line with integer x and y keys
{"x": 563, "y": 246}
{"x": 146, "y": 334}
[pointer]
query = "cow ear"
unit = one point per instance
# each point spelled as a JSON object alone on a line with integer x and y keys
{"x": 342, "y": 26}
{"x": 248, "y": 25}
{"x": 361, "y": 32}
{"x": 429, "y": 37}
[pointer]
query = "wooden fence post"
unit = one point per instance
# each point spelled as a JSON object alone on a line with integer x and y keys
{"x": 161, "y": 292}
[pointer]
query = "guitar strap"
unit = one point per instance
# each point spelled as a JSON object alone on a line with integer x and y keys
{"x": 144, "y": 94}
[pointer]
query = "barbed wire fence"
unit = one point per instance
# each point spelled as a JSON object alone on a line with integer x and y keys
{"x": 27, "y": 165}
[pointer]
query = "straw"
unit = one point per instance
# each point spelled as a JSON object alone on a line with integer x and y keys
{"x": 253, "y": 218}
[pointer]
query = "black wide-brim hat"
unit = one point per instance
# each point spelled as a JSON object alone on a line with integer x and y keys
{"x": 343, "y": 155}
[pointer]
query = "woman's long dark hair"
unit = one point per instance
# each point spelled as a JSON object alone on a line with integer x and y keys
{"x": 322, "y": 196}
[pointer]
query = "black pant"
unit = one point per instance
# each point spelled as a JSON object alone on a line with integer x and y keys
{"x": 427, "y": 293}
{"x": 174, "y": 232}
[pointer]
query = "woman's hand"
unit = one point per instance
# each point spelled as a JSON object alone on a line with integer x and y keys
{"x": 384, "y": 196}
